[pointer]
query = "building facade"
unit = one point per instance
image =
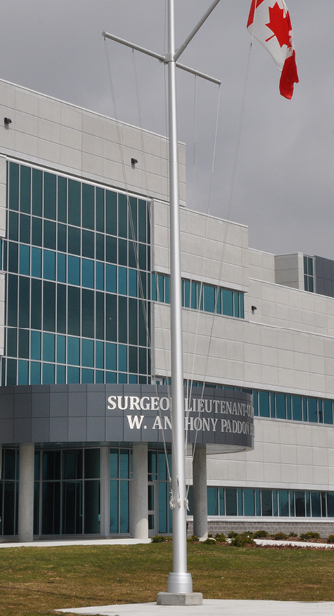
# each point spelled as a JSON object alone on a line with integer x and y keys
{"x": 85, "y": 345}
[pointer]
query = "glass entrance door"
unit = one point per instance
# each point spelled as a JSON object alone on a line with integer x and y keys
{"x": 153, "y": 524}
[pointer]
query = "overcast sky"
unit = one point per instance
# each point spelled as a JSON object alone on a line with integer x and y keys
{"x": 283, "y": 184}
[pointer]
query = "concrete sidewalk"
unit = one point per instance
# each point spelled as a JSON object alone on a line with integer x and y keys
{"x": 212, "y": 607}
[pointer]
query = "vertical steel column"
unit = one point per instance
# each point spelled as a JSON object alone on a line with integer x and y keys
{"x": 179, "y": 581}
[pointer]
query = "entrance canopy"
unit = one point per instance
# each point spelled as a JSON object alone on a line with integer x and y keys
{"x": 41, "y": 414}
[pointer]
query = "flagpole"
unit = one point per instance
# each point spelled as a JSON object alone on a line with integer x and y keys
{"x": 179, "y": 581}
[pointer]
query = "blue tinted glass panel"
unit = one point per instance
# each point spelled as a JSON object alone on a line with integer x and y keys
{"x": 111, "y": 212}
{"x": 167, "y": 290}
{"x": 99, "y": 209}
{"x": 122, "y": 252}
{"x": 99, "y": 354}
{"x": 11, "y": 342}
{"x": 13, "y": 232}
{"x": 36, "y": 192}
{"x": 111, "y": 249}
{"x": 153, "y": 287}
{"x": 264, "y": 403}
{"x": 186, "y": 293}
{"x": 209, "y": 298}
{"x": 87, "y": 313}
{"x": 100, "y": 276}
{"x": 242, "y": 306}
{"x": 49, "y": 269}
{"x": 13, "y": 257}
{"x": 328, "y": 413}
{"x": 122, "y": 286}
{"x": 316, "y": 507}
{"x": 162, "y": 499}
{"x": 142, "y": 220}
{"x": 113, "y": 507}
{"x": 87, "y": 352}
{"x": 111, "y": 285}
{"x": 49, "y": 234}
{"x": 24, "y": 304}
{"x": 88, "y": 244}
{"x": 62, "y": 199}
{"x": 122, "y": 215}
{"x": 88, "y": 206}
{"x": 212, "y": 501}
{"x": 113, "y": 463}
{"x": 280, "y": 406}
{"x": 111, "y": 356}
{"x": 124, "y": 464}
{"x": 23, "y": 368}
{"x": 61, "y": 344}
{"x": 73, "y": 356}
{"x": 227, "y": 302}
{"x": 48, "y": 347}
{"x": 61, "y": 374}
{"x": 231, "y": 501}
{"x": 35, "y": 373}
{"x": 36, "y": 262}
{"x": 62, "y": 243}
{"x": 300, "y": 503}
{"x": 267, "y": 507}
{"x": 122, "y": 358}
{"x": 132, "y": 283}
{"x": 24, "y": 343}
{"x": 73, "y": 375}
{"x": 74, "y": 203}
{"x": 50, "y": 196}
{"x": 312, "y": 410}
{"x": 283, "y": 498}
{"x": 25, "y": 229}
{"x": 74, "y": 240}
{"x": 99, "y": 241}
{"x": 87, "y": 375}
{"x": 249, "y": 502}
{"x": 48, "y": 374}
{"x": 36, "y": 236}
{"x": 73, "y": 270}
{"x": 236, "y": 304}
{"x": 330, "y": 504}
{"x": 24, "y": 260}
{"x": 296, "y": 408}
{"x": 61, "y": 267}
{"x": 73, "y": 314}
{"x": 49, "y": 306}
{"x": 88, "y": 273}
{"x": 99, "y": 376}
{"x": 13, "y": 186}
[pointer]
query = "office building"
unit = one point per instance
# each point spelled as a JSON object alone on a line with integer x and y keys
{"x": 85, "y": 429}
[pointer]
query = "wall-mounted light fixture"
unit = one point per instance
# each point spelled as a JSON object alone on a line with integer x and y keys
{"x": 134, "y": 161}
{"x": 253, "y": 308}
{"x": 7, "y": 121}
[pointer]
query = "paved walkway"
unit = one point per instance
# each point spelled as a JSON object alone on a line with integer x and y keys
{"x": 213, "y": 607}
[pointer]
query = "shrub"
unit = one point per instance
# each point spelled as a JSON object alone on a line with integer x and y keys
{"x": 240, "y": 541}
{"x": 232, "y": 534}
{"x": 220, "y": 537}
{"x": 330, "y": 539}
{"x": 193, "y": 539}
{"x": 280, "y": 536}
{"x": 293, "y": 535}
{"x": 260, "y": 534}
{"x": 309, "y": 535}
{"x": 209, "y": 541}
{"x": 160, "y": 539}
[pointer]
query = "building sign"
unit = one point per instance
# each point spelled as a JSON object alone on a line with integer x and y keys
{"x": 218, "y": 417}
{"x": 222, "y": 419}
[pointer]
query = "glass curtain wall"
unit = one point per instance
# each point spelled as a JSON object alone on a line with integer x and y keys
{"x": 77, "y": 258}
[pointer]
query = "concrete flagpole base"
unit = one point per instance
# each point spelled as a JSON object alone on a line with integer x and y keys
{"x": 180, "y": 598}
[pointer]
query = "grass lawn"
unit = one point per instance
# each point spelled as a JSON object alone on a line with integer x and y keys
{"x": 35, "y": 581}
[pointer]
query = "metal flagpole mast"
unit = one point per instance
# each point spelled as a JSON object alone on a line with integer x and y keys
{"x": 179, "y": 581}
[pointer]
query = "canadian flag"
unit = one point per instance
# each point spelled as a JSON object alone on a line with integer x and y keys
{"x": 269, "y": 22}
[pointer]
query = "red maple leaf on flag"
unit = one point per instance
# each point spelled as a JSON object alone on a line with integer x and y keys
{"x": 280, "y": 25}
